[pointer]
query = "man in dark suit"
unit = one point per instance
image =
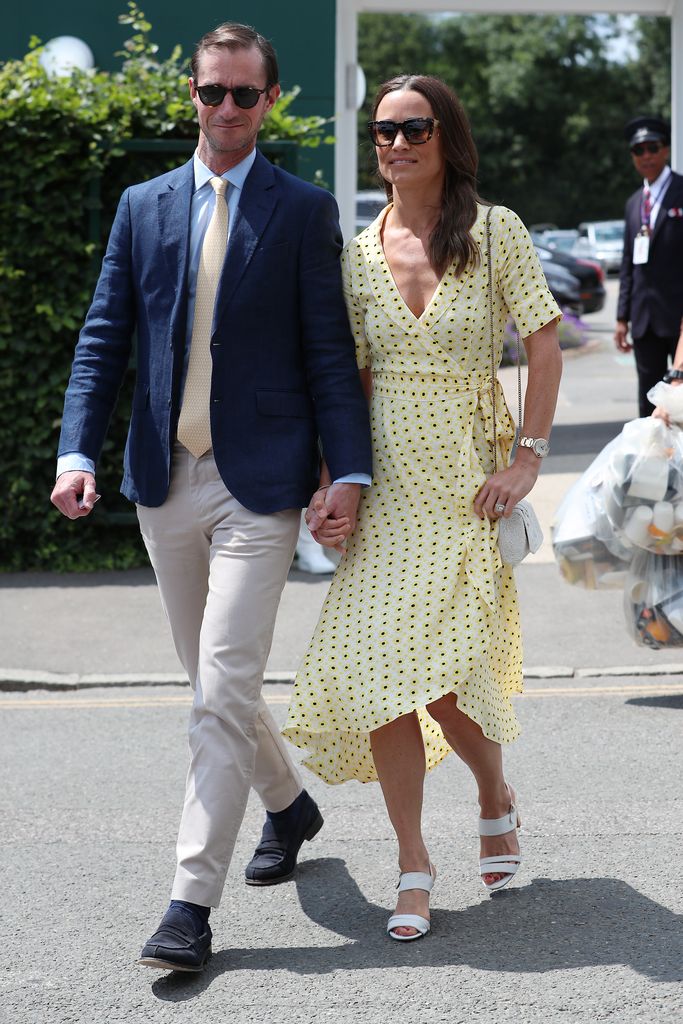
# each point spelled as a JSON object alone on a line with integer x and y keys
{"x": 228, "y": 268}
{"x": 650, "y": 283}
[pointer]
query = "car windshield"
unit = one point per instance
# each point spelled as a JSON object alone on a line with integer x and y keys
{"x": 609, "y": 232}
{"x": 561, "y": 240}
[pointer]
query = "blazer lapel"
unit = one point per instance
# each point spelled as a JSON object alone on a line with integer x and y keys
{"x": 174, "y": 223}
{"x": 256, "y": 206}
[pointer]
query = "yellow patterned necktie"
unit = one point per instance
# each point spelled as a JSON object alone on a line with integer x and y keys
{"x": 194, "y": 424}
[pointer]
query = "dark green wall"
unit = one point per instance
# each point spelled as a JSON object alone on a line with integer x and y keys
{"x": 302, "y": 31}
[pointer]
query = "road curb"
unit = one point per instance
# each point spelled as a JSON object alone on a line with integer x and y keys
{"x": 13, "y": 680}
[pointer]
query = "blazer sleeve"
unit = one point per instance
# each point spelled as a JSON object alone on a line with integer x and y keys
{"x": 341, "y": 408}
{"x": 626, "y": 269}
{"x": 104, "y": 347}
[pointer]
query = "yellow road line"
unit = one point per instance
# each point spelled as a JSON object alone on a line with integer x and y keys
{"x": 61, "y": 702}
{"x": 596, "y": 691}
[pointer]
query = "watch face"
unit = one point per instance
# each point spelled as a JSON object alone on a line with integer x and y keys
{"x": 541, "y": 447}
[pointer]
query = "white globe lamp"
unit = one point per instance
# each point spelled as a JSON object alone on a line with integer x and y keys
{"x": 64, "y": 53}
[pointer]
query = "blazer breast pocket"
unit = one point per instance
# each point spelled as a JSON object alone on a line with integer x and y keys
{"x": 284, "y": 403}
{"x": 279, "y": 251}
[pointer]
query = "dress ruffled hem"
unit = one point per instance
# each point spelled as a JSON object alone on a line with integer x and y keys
{"x": 340, "y": 755}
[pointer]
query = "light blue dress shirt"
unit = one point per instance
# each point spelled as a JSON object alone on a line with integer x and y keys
{"x": 201, "y": 210}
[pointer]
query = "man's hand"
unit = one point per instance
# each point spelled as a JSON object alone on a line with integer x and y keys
{"x": 621, "y": 337}
{"x": 74, "y": 494}
{"x": 331, "y": 515}
{"x": 342, "y": 502}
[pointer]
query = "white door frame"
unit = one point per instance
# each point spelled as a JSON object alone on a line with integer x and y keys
{"x": 346, "y": 156}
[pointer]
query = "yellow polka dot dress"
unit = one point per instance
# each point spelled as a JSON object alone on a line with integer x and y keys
{"x": 421, "y": 605}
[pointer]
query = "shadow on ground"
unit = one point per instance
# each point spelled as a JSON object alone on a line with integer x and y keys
{"x": 669, "y": 700}
{"x": 544, "y": 926}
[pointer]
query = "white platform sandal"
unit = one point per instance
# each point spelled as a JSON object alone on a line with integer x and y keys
{"x": 411, "y": 880}
{"x": 507, "y": 864}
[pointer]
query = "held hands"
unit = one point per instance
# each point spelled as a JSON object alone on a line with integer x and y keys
{"x": 331, "y": 514}
{"x": 74, "y": 494}
{"x": 506, "y": 488}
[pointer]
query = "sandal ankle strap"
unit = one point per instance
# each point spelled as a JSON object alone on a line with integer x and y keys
{"x": 499, "y": 826}
{"x": 415, "y": 880}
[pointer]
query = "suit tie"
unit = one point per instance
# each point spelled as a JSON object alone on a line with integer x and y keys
{"x": 646, "y": 207}
{"x": 194, "y": 423}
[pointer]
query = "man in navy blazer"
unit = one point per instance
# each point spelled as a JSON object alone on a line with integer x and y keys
{"x": 650, "y": 282}
{"x": 221, "y": 525}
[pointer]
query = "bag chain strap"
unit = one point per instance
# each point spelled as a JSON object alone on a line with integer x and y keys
{"x": 493, "y": 355}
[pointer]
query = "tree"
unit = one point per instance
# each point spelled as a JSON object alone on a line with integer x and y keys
{"x": 652, "y": 67}
{"x": 546, "y": 103}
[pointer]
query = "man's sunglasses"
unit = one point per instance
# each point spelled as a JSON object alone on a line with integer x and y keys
{"x": 646, "y": 147}
{"x": 416, "y": 130}
{"x": 244, "y": 96}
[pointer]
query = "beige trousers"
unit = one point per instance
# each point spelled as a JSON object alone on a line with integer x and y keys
{"x": 221, "y": 570}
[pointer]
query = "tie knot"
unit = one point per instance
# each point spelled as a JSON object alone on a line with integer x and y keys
{"x": 219, "y": 185}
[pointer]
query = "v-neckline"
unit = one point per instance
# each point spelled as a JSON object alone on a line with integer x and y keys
{"x": 418, "y": 319}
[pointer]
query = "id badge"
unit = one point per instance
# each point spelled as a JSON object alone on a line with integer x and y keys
{"x": 641, "y": 248}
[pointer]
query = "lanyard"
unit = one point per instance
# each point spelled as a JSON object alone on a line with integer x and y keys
{"x": 650, "y": 199}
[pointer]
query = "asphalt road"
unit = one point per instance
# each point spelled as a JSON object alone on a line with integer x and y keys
{"x": 91, "y": 782}
{"x": 90, "y": 797}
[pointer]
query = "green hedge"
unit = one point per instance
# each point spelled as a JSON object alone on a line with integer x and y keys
{"x": 62, "y": 169}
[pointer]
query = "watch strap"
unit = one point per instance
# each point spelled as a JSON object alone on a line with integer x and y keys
{"x": 538, "y": 445}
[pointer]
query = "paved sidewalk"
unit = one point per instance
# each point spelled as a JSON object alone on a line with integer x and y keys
{"x": 108, "y": 628}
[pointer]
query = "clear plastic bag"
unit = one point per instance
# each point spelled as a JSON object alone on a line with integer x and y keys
{"x": 668, "y": 397}
{"x": 588, "y": 550}
{"x": 642, "y": 489}
{"x": 653, "y": 600}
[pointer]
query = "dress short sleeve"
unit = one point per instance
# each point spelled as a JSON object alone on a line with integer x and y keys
{"x": 519, "y": 274}
{"x": 353, "y": 307}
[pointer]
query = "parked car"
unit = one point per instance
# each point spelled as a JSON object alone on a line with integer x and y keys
{"x": 565, "y": 287}
{"x": 369, "y": 204}
{"x": 562, "y": 239}
{"x": 601, "y": 240}
{"x": 589, "y": 273}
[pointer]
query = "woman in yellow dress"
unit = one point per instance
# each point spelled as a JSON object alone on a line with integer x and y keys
{"x": 417, "y": 651}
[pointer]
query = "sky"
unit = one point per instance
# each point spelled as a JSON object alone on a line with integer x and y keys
{"x": 620, "y": 48}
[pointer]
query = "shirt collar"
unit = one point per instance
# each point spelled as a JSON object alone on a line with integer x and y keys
{"x": 659, "y": 183}
{"x": 235, "y": 176}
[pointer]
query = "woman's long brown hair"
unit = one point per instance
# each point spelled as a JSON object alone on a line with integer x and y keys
{"x": 451, "y": 240}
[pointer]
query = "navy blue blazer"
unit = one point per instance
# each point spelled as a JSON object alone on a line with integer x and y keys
{"x": 284, "y": 372}
{"x": 651, "y": 294}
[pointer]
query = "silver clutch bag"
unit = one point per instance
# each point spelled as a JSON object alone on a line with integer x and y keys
{"x": 519, "y": 535}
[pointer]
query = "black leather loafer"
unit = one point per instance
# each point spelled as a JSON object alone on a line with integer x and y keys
{"x": 275, "y": 856}
{"x": 178, "y": 944}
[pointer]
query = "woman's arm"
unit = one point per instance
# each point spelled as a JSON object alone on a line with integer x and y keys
{"x": 509, "y": 485}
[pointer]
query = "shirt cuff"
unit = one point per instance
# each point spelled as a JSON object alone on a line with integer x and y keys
{"x": 73, "y": 462}
{"x": 354, "y": 478}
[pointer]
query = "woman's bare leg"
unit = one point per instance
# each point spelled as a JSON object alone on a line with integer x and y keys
{"x": 484, "y": 758}
{"x": 398, "y": 752}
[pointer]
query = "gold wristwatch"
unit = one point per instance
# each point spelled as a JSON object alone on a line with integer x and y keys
{"x": 538, "y": 445}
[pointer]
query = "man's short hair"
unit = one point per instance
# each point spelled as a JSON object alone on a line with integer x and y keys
{"x": 234, "y": 36}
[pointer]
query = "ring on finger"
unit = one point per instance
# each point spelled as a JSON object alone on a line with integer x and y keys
{"x": 500, "y": 507}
